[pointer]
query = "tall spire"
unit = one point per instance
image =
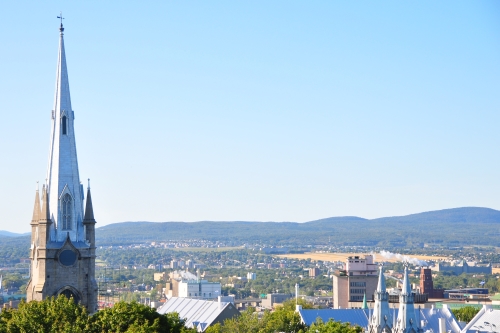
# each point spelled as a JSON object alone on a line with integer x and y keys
{"x": 63, "y": 244}
{"x": 407, "y": 321}
{"x": 63, "y": 181}
{"x": 381, "y": 281}
{"x": 62, "y": 96}
{"x": 381, "y": 320}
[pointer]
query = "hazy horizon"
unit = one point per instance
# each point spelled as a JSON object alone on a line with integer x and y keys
{"x": 268, "y": 221}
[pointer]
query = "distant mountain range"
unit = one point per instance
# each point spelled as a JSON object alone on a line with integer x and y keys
{"x": 11, "y": 234}
{"x": 453, "y": 227}
{"x": 450, "y": 227}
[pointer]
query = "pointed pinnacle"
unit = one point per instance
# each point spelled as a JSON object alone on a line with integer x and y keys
{"x": 89, "y": 210}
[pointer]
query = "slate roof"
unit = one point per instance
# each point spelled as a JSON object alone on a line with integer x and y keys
{"x": 198, "y": 313}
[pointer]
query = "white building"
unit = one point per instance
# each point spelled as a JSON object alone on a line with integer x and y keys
{"x": 251, "y": 276}
{"x": 186, "y": 284}
{"x": 199, "y": 289}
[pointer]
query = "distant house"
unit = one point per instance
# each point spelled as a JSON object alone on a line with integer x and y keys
{"x": 201, "y": 314}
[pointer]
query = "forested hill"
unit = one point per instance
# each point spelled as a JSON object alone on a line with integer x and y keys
{"x": 451, "y": 227}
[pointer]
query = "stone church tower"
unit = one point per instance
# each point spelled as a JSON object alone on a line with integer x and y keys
{"x": 63, "y": 233}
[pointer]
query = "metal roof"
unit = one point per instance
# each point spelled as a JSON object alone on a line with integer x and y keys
{"x": 487, "y": 320}
{"x": 197, "y": 313}
{"x": 353, "y": 316}
{"x": 429, "y": 318}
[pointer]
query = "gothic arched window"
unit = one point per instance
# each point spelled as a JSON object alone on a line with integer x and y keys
{"x": 70, "y": 294}
{"x": 66, "y": 205}
{"x": 64, "y": 123}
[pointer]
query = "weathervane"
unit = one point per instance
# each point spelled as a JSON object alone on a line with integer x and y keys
{"x": 61, "y": 29}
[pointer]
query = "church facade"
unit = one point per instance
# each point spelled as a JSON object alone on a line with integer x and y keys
{"x": 63, "y": 246}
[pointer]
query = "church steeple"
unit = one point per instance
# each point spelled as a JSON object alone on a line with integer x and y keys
{"x": 407, "y": 321}
{"x": 63, "y": 180}
{"x": 381, "y": 320}
{"x": 63, "y": 243}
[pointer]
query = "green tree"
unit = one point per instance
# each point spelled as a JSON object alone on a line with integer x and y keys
{"x": 138, "y": 318}
{"x": 248, "y": 322}
{"x": 333, "y": 327}
{"x": 62, "y": 315}
{"x": 51, "y": 315}
{"x": 284, "y": 319}
{"x": 466, "y": 313}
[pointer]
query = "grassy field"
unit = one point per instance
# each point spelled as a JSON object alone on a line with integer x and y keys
{"x": 343, "y": 256}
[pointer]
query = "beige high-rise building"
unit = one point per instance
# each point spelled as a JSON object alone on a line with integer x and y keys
{"x": 358, "y": 278}
{"x": 63, "y": 246}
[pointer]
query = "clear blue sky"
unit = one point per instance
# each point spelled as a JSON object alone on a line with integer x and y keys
{"x": 261, "y": 111}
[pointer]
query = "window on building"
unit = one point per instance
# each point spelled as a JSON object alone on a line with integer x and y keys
{"x": 66, "y": 211}
{"x": 64, "y": 124}
{"x": 357, "y": 291}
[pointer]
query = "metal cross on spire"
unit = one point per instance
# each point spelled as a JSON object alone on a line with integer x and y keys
{"x": 62, "y": 18}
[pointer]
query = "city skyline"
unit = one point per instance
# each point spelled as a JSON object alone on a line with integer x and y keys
{"x": 261, "y": 112}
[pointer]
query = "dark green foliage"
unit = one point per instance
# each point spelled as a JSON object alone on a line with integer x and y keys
{"x": 466, "y": 313}
{"x": 52, "y": 315}
{"x": 284, "y": 319}
{"x": 333, "y": 327}
{"x": 135, "y": 317}
{"x": 450, "y": 281}
{"x": 55, "y": 315}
